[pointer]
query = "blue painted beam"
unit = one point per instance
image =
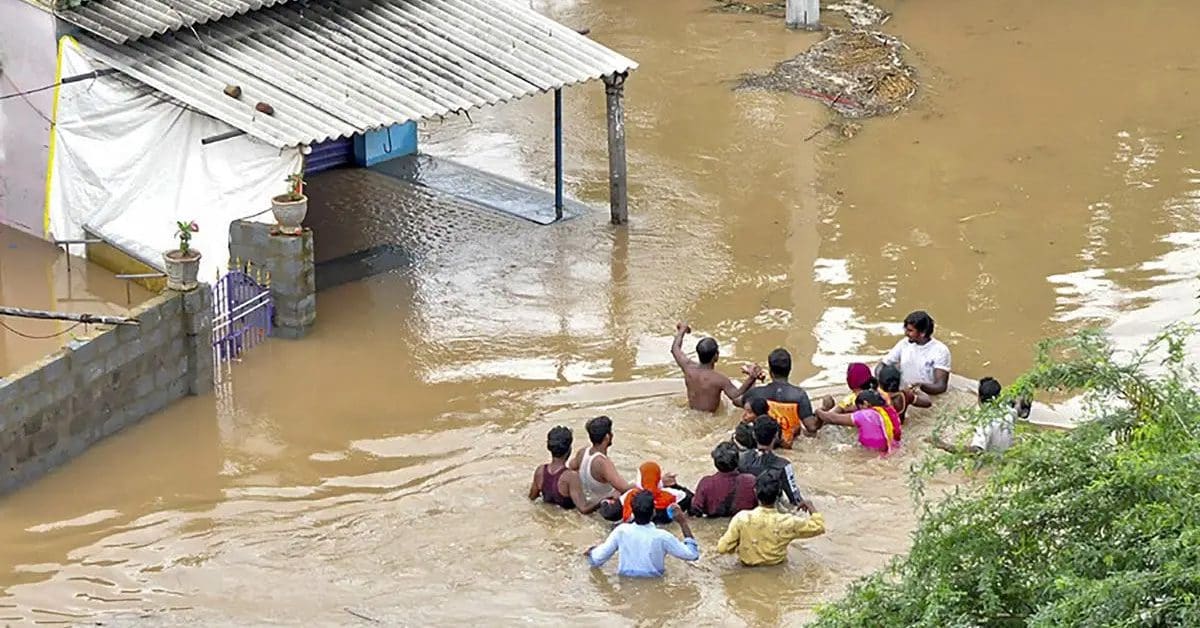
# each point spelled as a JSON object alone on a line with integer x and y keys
{"x": 381, "y": 145}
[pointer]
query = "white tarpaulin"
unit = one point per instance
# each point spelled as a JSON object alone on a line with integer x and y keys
{"x": 127, "y": 162}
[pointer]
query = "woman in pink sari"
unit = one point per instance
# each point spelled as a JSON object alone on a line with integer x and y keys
{"x": 877, "y": 423}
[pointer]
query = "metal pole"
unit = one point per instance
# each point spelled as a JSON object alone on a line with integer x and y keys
{"x": 804, "y": 14}
{"x": 558, "y": 155}
{"x": 221, "y": 137}
{"x": 67, "y": 316}
{"x": 618, "y": 190}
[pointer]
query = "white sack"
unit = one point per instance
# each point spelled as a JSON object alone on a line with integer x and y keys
{"x": 128, "y": 163}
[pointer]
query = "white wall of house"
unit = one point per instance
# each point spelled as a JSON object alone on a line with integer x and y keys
{"x": 28, "y": 54}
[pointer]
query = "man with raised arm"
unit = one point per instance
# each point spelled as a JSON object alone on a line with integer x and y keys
{"x": 704, "y": 383}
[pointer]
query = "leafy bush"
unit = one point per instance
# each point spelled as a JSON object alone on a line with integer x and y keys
{"x": 1099, "y": 526}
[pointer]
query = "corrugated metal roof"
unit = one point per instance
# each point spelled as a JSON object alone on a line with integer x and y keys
{"x": 341, "y": 67}
{"x": 121, "y": 20}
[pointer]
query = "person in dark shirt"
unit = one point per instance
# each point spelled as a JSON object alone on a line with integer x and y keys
{"x": 743, "y": 436}
{"x": 726, "y": 492}
{"x": 788, "y": 404}
{"x": 758, "y": 460}
{"x": 554, "y": 482}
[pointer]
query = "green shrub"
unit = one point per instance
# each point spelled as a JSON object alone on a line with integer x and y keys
{"x": 1098, "y": 526}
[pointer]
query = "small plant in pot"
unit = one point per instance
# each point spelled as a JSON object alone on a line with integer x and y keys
{"x": 290, "y": 208}
{"x": 183, "y": 264}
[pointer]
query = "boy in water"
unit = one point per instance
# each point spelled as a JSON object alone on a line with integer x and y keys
{"x": 704, "y": 383}
{"x": 763, "y": 458}
{"x": 996, "y": 436}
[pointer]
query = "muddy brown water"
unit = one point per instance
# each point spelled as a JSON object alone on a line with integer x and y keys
{"x": 34, "y": 275}
{"x": 1044, "y": 178}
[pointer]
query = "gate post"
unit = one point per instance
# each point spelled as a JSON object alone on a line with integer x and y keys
{"x": 289, "y": 260}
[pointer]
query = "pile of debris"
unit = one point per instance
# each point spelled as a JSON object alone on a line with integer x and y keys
{"x": 858, "y": 13}
{"x": 858, "y": 73}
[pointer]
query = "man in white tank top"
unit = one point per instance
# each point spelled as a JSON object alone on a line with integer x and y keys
{"x": 597, "y": 473}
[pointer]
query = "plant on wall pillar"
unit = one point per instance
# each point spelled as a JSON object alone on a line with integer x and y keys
{"x": 183, "y": 263}
{"x": 290, "y": 207}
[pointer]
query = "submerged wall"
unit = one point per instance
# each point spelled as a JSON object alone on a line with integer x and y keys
{"x": 56, "y": 408}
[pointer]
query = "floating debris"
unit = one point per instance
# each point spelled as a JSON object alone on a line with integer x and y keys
{"x": 859, "y": 13}
{"x": 773, "y": 9}
{"x": 857, "y": 73}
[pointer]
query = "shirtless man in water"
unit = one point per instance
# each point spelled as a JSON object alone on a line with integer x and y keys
{"x": 704, "y": 383}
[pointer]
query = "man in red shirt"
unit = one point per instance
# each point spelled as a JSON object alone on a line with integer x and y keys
{"x": 726, "y": 492}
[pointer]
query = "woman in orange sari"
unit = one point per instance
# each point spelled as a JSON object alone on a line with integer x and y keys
{"x": 650, "y": 478}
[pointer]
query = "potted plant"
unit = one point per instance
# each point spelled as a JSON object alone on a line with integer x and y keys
{"x": 183, "y": 264}
{"x": 290, "y": 208}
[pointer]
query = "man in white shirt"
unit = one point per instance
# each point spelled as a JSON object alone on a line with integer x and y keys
{"x": 924, "y": 361}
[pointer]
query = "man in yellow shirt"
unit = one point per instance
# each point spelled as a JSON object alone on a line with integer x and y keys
{"x": 761, "y": 536}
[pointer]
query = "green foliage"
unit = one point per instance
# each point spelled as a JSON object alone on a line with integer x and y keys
{"x": 1098, "y": 526}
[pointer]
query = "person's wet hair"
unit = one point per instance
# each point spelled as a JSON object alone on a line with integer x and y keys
{"x": 768, "y": 486}
{"x": 706, "y": 350}
{"x": 766, "y": 430}
{"x": 610, "y": 509}
{"x": 870, "y": 384}
{"x": 920, "y": 321}
{"x": 870, "y": 397}
{"x": 744, "y": 434}
{"x": 780, "y": 362}
{"x": 889, "y": 378}
{"x": 559, "y": 440}
{"x": 643, "y": 507}
{"x": 725, "y": 457}
{"x": 759, "y": 406}
{"x": 598, "y": 428}
{"x": 989, "y": 389}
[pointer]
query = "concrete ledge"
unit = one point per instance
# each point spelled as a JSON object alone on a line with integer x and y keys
{"x": 119, "y": 261}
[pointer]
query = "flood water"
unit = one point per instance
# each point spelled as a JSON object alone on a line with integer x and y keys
{"x": 1044, "y": 178}
{"x": 34, "y": 275}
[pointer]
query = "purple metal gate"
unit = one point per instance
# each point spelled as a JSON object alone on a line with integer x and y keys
{"x": 242, "y": 313}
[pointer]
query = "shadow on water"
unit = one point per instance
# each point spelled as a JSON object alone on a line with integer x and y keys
{"x": 360, "y": 265}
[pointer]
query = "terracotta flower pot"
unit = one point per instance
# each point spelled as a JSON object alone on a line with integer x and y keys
{"x": 289, "y": 214}
{"x": 182, "y": 269}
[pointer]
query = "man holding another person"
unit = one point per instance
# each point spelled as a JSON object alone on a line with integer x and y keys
{"x": 923, "y": 360}
{"x": 761, "y": 536}
{"x": 644, "y": 547}
{"x": 787, "y": 404}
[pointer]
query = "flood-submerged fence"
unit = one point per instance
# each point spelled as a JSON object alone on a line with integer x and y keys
{"x": 242, "y": 314}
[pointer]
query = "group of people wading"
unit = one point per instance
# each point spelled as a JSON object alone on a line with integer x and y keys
{"x": 752, "y": 485}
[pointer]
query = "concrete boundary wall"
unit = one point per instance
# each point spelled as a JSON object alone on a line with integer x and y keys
{"x": 56, "y": 408}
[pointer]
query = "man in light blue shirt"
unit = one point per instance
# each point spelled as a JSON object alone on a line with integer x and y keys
{"x": 644, "y": 547}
